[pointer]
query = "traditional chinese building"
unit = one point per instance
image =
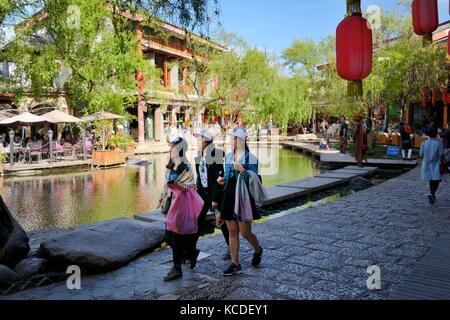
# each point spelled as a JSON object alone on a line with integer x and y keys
{"x": 155, "y": 112}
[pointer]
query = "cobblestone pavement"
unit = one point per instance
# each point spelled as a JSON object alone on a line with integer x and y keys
{"x": 318, "y": 253}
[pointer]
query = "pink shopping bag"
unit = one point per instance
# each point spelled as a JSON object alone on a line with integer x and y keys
{"x": 184, "y": 211}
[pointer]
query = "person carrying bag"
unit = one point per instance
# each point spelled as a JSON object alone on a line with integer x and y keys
{"x": 182, "y": 205}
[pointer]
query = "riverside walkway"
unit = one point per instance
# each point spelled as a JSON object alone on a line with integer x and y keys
{"x": 333, "y": 157}
{"x": 319, "y": 253}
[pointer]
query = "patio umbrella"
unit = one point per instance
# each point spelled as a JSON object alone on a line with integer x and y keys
{"x": 24, "y": 119}
{"x": 5, "y": 115}
{"x": 57, "y": 116}
{"x": 102, "y": 115}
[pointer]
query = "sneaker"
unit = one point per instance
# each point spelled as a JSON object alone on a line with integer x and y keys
{"x": 173, "y": 274}
{"x": 193, "y": 261}
{"x": 232, "y": 270}
{"x": 256, "y": 261}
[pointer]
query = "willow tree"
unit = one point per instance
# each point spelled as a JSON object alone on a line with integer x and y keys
{"x": 286, "y": 100}
{"x": 244, "y": 76}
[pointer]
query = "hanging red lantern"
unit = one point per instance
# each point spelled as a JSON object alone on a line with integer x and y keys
{"x": 425, "y": 18}
{"x": 354, "y": 51}
{"x": 424, "y": 96}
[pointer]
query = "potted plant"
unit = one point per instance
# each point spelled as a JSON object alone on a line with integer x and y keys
{"x": 112, "y": 152}
{"x": 418, "y": 140}
{"x": 382, "y": 138}
{"x": 2, "y": 161}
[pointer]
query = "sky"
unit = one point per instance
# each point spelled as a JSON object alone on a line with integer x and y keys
{"x": 274, "y": 24}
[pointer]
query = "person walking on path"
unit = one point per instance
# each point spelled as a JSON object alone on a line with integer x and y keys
{"x": 405, "y": 133}
{"x": 360, "y": 141}
{"x": 431, "y": 153}
{"x": 239, "y": 163}
{"x": 209, "y": 167}
{"x": 343, "y": 136}
{"x": 446, "y": 137}
{"x": 182, "y": 206}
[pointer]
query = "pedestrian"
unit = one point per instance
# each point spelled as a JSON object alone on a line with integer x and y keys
{"x": 239, "y": 163}
{"x": 431, "y": 153}
{"x": 182, "y": 206}
{"x": 209, "y": 167}
{"x": 405, "y": 133}
{"x": 446, "y": 137}
{"x": 343, "y": 136}
{"x": 360, "y": 142}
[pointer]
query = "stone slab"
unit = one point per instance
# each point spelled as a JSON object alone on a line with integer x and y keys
{"x": 279, "y": 194}
{"x": 313, "y": 184}
{"x": 103, "y": 246}
{"x": 336, "y": 175}
{"x": 151, "y": 217}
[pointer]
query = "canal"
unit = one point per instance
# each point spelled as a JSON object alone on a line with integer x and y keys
{"x": 72, "y": 198}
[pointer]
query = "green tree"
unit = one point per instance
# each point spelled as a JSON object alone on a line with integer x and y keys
{"x": 96, "y": 59}
{"x": 244, "y": 76}
{"x": 286, "y": 101}
{"x": 402, "y": 66}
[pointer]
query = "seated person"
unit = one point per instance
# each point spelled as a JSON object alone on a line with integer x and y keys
{"x": 27, "y": 143}
{"x": 323, "y": 145}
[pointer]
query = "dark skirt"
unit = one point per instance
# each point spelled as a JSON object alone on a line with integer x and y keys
{"x": 228, "y": 202}
{"x": 407, "y": 145}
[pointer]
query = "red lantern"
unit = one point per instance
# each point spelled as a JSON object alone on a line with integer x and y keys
{"x": 139, "y": 76}
{"x": 433, "y": 97}
{"x": 425, "y": 17}
{"x": 354, "y": 51}
{"x": 424, "y": 102}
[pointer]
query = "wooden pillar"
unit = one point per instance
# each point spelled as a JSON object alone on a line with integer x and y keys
{"x": 445, "y": 116}
{"x": 407, "y": 115}
{"x": 166, "y": 75}
{"x": 185, "y": 80}
{"x": 159, "y": 127}
{"x": 140, "y": 84}
{"x": 140, "y": 107}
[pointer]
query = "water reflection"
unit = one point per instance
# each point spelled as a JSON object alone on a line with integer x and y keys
{"x": 74, "y": 198}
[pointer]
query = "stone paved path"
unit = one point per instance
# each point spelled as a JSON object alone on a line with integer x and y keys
{"x": 318, "y": 253}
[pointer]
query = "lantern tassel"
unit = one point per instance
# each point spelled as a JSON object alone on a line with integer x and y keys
{"x": 355, "y": 88}
{"x": 427, "y": 39}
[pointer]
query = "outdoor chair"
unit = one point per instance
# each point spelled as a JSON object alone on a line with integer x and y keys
{"x": 58, "y": 150}
{"x": 69, "y": 151}
{"x": 35, "y": 151}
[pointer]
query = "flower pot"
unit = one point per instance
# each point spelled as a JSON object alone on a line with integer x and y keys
{"x": 395, "y": 140}
{"x": 130, "y": 150}
{"x": 418, "y": 140}
{"x": 382, "y": 138}
{"x": 108, "y": 158}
